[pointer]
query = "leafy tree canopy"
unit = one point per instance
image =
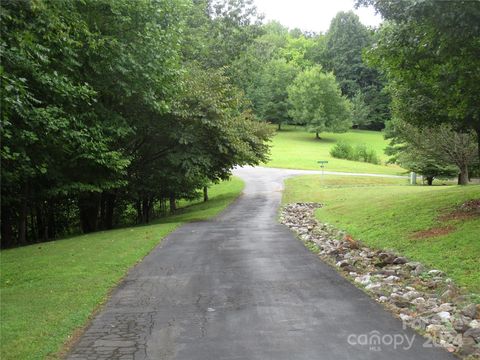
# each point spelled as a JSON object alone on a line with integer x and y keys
{"x": 316, "y": 101}
{"x": 429, "y": 51}
{"x": 434, "y": 151}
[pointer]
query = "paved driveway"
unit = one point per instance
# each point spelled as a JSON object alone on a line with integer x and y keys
{"x": 242, "y": 287}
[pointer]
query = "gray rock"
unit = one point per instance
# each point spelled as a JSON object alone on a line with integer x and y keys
{"x": 419, "y": 323}
{"x": 470, "y": 311}
{"x": 461, "y": 324}
{"x": 435, "y": 273}
{"x": 400, "y": 260}
{"x": 419, "y": 301}
{"x": 468, "y": 346}
{"x": 411, "y": 295}
{"x": 373, "y": 286}
{"x": 449, "y": 294}
{"x": 474, "y": 334}
{"x": 443, "y": 307}
{"x": 386, "y": 272}
{"x": 364, "y": 280}
{"x": 435, "y": 329}
{"x": 350, "y": 269}
{"x": 444, "y": 315}
{"x": 413, "y": 265}
{"x": 420, "y": 269}
{"x": 474, "y": 324}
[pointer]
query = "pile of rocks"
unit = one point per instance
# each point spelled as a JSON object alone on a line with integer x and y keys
{"x": 425, "y": 300}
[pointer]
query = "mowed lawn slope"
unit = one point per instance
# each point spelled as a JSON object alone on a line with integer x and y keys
{"x": 50, "y": 289}
{"x": 415, "y": 221}
{"x": 295, "y": 148}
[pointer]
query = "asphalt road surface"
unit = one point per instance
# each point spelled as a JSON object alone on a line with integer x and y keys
{"x": 242, "y": 287}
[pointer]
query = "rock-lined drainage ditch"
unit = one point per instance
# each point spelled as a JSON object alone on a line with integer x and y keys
{"x": 424, "y": 299}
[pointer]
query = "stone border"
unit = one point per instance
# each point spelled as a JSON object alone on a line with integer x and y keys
{"x": 425, "y": 300}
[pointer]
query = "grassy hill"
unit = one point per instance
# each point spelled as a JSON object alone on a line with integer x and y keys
{"x": 50, "y": 289}
{"x": 421, "y": 222}
{"x": 294, "y": 148}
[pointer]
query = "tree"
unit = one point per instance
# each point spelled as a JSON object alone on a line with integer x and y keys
{"x": 437, "y": 151}
{"x": 218, "y": 31}
{"x": 345, "y": 42}
{"x": 360, "y": 110}
{"x": 53, "y": 146}
{"x": 270, "y": 95}
{"x": 103, "y": 111}
{"x": 316, "y": 100}
{"x": 429, "y": 51}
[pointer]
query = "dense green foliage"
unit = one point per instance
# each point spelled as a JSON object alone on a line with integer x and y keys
{"x": 360, "y": 152}
{"x": 346, "y": 40}
{"x": 435, "y": 152}
{"x": 389, "y": 213}
{"x": 429, "y": 52}
{"x": 104, "y": 111}
{"x": 266, "y": 68}
{"x": 49, "y": 290}
{"x": 271, "y": 95}
{"x": 316, "y": 101}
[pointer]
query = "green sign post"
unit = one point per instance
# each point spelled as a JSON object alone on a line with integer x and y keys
{"x": 322, "y": 164}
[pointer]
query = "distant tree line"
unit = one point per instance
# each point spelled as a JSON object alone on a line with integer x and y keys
{"x": 268, "y": 67}
{"x": 112, "y": 110}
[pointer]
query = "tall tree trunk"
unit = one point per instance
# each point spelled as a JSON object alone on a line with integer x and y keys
{"x": 163, "y": 206}
{"x": 51, "y": 221}
{"x": 88, "y": 205}
{"x": 205, "y": 193}
{"x": 477, "y": 130}
{"x": 146, "y": 209}
{"x": 138, "y": 206}
{"x": 41, "y": 229}
{"x": 33, "y": 228}
{"x": 463, "y": 176}
{"x": 7, "y": 227}
{"x": 22, "y": 217}
{"x": 430, "y": 180}
{"x": 279, "y": 126}
{"x": 101, "y": 220}
{"x": 110, "y": 207}
{"x": 173, "y": 203}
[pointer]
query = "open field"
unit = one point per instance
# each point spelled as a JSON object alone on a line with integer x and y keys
{"x": 50, "y": 289}
{"x": 294, "y": 148}
{"x": 416, "y": 221}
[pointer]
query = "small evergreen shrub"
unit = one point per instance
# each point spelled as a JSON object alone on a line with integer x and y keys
{"x": 342, "y": 150}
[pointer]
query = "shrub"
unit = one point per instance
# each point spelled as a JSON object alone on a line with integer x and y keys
{"x": 342, "y": 150}
{"x": 362, "y": 153}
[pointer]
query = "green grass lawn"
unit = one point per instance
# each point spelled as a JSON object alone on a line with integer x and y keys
{"x": 49, "y": 290}
{"x": 294, "y": 148}
{"x": 386, "y": 213}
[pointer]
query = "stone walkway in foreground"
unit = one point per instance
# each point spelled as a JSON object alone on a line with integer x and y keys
{"x": 242, "y": 287}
